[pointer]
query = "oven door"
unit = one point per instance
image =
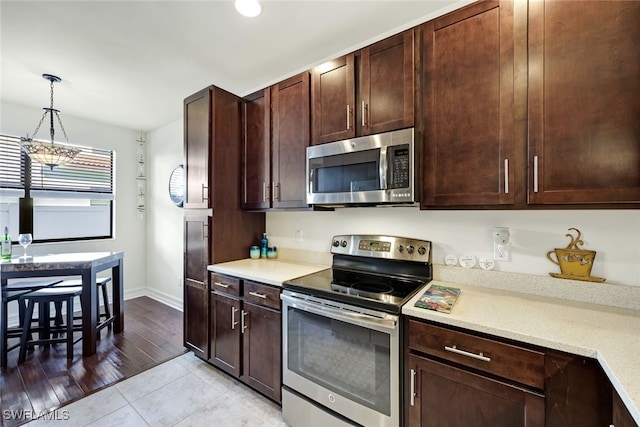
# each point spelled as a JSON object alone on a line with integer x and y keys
{"x": 342, "y": 357}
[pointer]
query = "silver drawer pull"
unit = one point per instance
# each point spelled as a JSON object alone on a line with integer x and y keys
{"x": 255, "y": 294}
{"x": 413, "y": 387}
{"x": 222, "y": 285}
{"x": 480, "y": 356}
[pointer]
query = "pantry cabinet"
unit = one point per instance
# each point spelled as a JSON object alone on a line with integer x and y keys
{"x": 584, "y": 103}
{"x": 469, "y": 156}
{"x": 365, "y": 92}
{"x": 196, "y": 303}
{"x": 276, "y": 135}
{"x": 216, "y": 229}
{"x": 246, "y": 332}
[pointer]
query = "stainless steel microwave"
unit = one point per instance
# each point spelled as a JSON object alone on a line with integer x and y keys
{"x": 364, "y": 171}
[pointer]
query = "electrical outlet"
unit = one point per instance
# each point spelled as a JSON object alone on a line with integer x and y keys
{"x": 500, "y": 251}
{"x": 298, "y": 235}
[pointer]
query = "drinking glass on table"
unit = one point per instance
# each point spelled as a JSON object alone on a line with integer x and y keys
{"x": 25, "y": 240}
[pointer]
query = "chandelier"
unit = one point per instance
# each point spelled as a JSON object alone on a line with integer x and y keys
{"x": 49, "y": 153}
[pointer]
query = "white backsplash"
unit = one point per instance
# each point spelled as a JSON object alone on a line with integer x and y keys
{"x": 614, "y": 234}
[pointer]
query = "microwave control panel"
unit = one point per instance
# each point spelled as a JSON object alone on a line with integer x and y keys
{"x": 399, "y": 165}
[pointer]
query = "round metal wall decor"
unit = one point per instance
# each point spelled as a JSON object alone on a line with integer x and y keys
{"x": 176, "y": 186}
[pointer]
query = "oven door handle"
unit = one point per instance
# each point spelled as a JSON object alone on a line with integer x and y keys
{"x": 338, "y": 314}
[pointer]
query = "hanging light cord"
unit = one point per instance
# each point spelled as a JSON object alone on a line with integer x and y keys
{"x": 51, "y": 111}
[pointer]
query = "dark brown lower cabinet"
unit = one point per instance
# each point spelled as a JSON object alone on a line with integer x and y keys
{"x": 225, "y": 333}
{"x": 447, "y": 396}
{"x": 262, "y": 350}
{"x": 577, "y": 391}
{"x": 246, "y": 333}
{"x": 459, "y": 378}
{"x": 621, "y": 415}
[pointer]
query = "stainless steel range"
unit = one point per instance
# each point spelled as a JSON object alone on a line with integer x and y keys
{"x": 342, "y": 332}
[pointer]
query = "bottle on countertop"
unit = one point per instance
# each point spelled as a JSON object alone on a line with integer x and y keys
{"x": 6, "y": 244}
{"x": 264, "y": 243}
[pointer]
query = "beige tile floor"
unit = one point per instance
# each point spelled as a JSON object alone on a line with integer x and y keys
{"x": 182, "y": 392}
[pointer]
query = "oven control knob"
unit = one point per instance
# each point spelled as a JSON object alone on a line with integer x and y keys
{"x": 422, "y": 250}
{"x": 336, "y": 243}
{"x": 343, "y": 243}
{"x": 400, "y": 248}
{"x": 410, "y": 249}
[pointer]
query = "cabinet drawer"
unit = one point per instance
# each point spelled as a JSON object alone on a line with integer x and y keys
{"x": 258, "y": 293}
{"x": 505, "y": 360}
{"x": 228, "y": 285}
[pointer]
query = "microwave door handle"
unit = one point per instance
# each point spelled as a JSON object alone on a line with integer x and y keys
{"x": 383, "y": 168}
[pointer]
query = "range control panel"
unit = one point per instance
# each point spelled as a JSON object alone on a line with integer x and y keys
{"x": 377, "y": 246}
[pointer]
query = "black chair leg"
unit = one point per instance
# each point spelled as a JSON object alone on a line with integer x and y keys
{"x": 107, "y": 310}
{"x": 70, "y": 328}
{"x": 25, "y": 332}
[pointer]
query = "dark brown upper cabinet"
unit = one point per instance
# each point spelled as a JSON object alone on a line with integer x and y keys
{"x": 584, "y": 102}
{"x": 197, "y": 142}
{"x": 365, "y": 92}
{"x": 277, "y": 133}
{"x": 468, "y": 102}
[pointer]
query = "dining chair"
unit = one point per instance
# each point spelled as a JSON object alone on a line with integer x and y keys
{"x": 10, "y": 293}
{"x": 44, "y": 297}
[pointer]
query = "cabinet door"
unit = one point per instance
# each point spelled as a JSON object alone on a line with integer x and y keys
{"x": 225, "y": 333}
{"x": 333, "y": 97}
{"x": 197, "y": 131}
{"x": 577, "y": 391}
{"x": 386, "y": 97}
{"x": 621, "y": 415}
{"x": 584, "y": 102}
{"x": 445, "y": 396}
{"x": 291, "y": 133}
{"x": 196, "y": 254}
{"x": 469, "y": 107}
{"x": 262, "y": 368}
{"x": 256, "y": 155}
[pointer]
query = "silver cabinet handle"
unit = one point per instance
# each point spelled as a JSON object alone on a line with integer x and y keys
{"x": 264, "y": 191}
{"x": 205, "y": 192}
{"x": 222, "y": 285}
{"x": 233, "y": 317}
{"x": 256, "y": 294}
{"x": 364, "y": 114}
{"x": 413, "y": 387}
{"x": 275, "y": 191}
{"x": 454, "y": 349}
{"x": 535, "y": 174}
{"x": 506, "y": 176}
{"x": 243, "y": 325}
{"x": 348, "y": 117}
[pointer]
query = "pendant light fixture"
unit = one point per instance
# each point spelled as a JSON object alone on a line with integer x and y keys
{"x": 248, "y": 8}
{"x": 49, "y": 153}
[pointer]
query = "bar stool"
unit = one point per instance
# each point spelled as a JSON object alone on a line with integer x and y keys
{"x": 44, "y": 297}
{"x": 101, "y": 283}
{"x": 12, "y": 292}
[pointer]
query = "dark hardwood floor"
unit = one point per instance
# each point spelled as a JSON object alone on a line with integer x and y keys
{"x": 47, "y": 380}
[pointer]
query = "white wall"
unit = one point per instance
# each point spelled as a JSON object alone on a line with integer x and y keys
{"x": 164, "y": 244}
{"x": 130, "y": 233}
{"x": 614, "y": 234}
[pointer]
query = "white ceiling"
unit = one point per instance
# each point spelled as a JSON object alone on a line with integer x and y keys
{"x": 131, "y": 63}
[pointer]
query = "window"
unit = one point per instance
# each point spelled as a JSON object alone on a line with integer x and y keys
{"x": 69, "y": 202}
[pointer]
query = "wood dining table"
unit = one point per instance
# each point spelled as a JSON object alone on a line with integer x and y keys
{"x": 84, "y": 264}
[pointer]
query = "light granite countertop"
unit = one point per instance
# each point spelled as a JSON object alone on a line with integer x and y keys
{"x": 609, "y": 334}
{"x": 269, "y": 271}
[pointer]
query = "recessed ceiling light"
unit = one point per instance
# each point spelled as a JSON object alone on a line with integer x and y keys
{"x": 248, "y": 8}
